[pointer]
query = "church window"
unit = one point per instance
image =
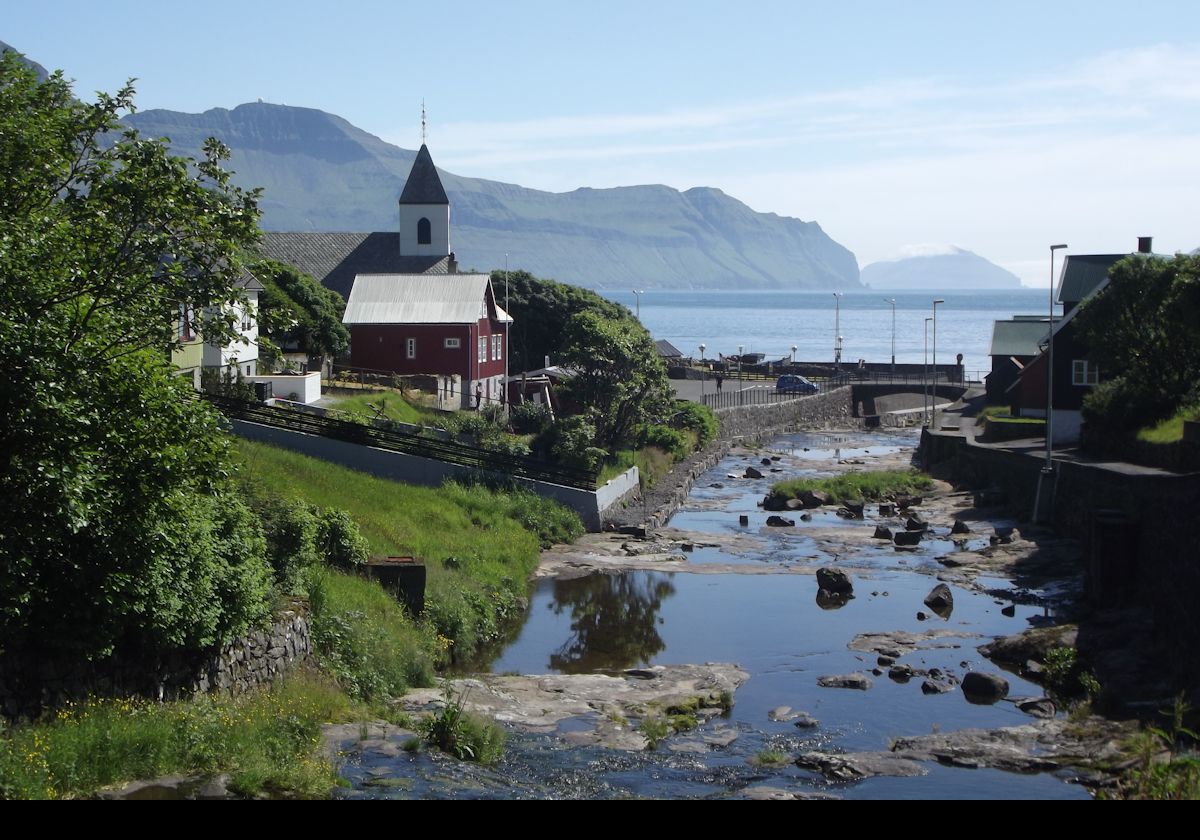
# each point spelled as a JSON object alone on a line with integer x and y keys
{"x": 424, "y": 232}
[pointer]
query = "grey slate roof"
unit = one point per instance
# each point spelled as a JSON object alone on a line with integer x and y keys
{"x": 420, "y": 299}
{"x": 1018, "y": 337}
{"x": 334, "y": 259}
{"x": 667, "y": 350}
{"x": 1082, "y": 275}
{"x": 423, "y": 185}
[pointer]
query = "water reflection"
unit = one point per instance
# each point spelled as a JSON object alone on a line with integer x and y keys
{"x": 614, "y": 621}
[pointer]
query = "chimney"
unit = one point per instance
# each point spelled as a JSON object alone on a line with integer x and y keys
{"x": 1144, "y": 244}
{"x": 452, "y": 264}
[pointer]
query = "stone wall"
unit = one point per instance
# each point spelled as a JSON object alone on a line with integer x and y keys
{"x": 1134, "y": 524}
{"x": 832, "y": 409}
{"x": 747, "y": 423}
{"x": 31, "y": 682}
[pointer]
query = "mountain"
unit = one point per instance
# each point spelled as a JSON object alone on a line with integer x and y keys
{"x": 37, "y": 68}
{"x": 948, "y": 268}
{"x": 321, "y": 173}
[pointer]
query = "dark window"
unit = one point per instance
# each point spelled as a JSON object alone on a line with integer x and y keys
{"x": 424, "y": 233}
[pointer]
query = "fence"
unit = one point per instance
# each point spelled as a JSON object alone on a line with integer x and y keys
{"x": 459, "y": 454}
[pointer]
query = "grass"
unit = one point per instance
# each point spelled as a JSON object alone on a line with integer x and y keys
{"x": 268, "y": 741}
{"x": 770, "y": 758}
{"x": 870, "y": 486}
{"x": 479, "y": 545}
{"x": 393, "y": 404}
{"x": 366, "y": 641}
{"x": 464, "y": 734}
{"x": 1171, "y": 429}
{"x": 652, "y": 464}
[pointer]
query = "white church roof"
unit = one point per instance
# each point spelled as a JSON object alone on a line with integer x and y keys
{"x": 419, "y": 299}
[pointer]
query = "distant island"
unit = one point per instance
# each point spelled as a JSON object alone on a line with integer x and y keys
{"x": 320, "y": 173}
{"x": 939, "y": 267}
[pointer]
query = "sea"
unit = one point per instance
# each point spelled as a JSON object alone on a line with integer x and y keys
{"x": 772, "y": 322}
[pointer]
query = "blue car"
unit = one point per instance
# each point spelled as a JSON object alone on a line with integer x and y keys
{"x": 792, "y": 384}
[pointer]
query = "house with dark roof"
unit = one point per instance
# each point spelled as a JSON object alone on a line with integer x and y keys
{"x": 1015, "y": 343}
{"x": 408, "y": 309}
{"x": 1074, "y": 374}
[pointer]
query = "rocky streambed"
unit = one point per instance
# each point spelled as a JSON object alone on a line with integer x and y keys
{"x": 858, "y": 671}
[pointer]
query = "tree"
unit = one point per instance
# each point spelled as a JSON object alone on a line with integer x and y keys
{"x": 620, "y": 379}
{"x": 120, "y": 528}
{"x": 541, "y": 309}
{"x": 1143, "y": 330}
{"x": 294, "y": 307}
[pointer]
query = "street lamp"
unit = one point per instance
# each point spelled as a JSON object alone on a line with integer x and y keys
{"x": 1050, "y": 367}
{"x": 637, "y": 293}
{"x": 925, "y": 379}
{"x": 837, "y": 331}
{"x": 933, "y": 411}
{"x": 702, "y": 373}
{"x": 739, "y": 374}
{"x": 793, "y": 354}
{"x": 892, "y": 301}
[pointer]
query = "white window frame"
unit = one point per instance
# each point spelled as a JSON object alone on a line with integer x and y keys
{"x": 410, "y": 348}
{"x": 453, "y": 343}
{"x": 483, "y": 348}
{"x": 497, "y": 347}
{"x": 1084, "y": 373}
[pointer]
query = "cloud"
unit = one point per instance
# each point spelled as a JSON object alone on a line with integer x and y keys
{"x": 927, "y": 250}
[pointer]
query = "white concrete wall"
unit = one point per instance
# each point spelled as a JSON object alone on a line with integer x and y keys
{"x": 306, "y": 387}
{"x": 439, "y": 229}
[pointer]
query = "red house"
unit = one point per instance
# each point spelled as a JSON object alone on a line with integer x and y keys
{"x": 443, "y": 324}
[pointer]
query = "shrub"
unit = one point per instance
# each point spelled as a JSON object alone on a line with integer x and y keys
{"x": 291, "y": 530}
{"x": 668, "y": 440}
{"x": 1066, "y": 677}
{"x": 529, "y": 418}
{"x": 696, "y": 418}
{"x": 572, "y": 444}
{"x": 340, "y": 541}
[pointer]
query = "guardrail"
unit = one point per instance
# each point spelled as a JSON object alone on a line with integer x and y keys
{"x": 459, "y": 454}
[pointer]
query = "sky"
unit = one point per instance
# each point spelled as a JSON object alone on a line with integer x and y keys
{"x": 902, "y": 128}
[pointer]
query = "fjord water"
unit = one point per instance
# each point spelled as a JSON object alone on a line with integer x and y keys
{"x": 772, "y": 322}
{"x": 769, "y": 623}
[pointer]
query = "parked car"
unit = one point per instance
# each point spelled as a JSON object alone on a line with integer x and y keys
{"x": 792, "y": 384}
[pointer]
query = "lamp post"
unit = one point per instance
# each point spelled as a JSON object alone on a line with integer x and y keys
{"x": 1050, "y": 367}
{"x": 892, "y": 301}
{"x": 739, "y": 374}
{"x": 933, "y": 399}
{"x": 837, "y": 331}
{"x": 637, "y": 293}
{"x": 702, "y": 374}
{"x": 925, "y": 379}
{"x": 793, "y": 354}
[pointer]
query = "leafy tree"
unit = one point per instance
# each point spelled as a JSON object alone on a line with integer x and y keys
{"x": 620, "y": 379}
{"x": 541, "y": 310}
{"x": 1143, "y": 330}
{"x": 119, "y": 527}
{"x": 294, "y": 307}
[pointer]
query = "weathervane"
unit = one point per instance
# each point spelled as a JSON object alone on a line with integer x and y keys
{"x": 422, "y": 122}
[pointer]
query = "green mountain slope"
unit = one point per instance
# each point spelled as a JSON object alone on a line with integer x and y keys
{"x": 322, "y": 173}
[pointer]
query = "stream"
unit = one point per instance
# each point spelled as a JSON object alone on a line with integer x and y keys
{"x": 746, "y": 595}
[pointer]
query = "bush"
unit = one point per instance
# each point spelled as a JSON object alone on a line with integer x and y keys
{"x": 340, "y": 541}
{"x": 572, "y": 444}
{"x": 668, "y": 440}
{"x": 698, "y": 419}
{"x": 530, "y": 418}
{"x": 291, "y": 530}
{"x": 1066, "y": 677}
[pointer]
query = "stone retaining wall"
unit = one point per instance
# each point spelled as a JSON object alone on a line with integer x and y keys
{"x": 825, "y": 410}
{"x": 30, "y": 683}
{"x": 746, "y": 423}
{"x": 1150, "y": 557}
